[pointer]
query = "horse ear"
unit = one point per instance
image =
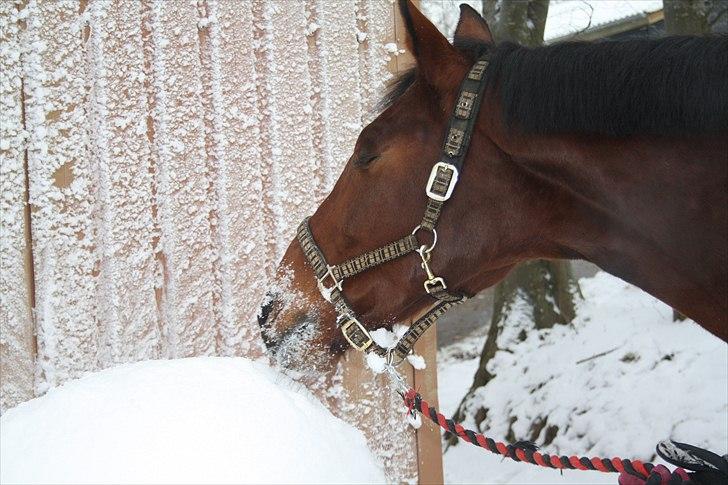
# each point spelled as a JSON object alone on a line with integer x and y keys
{"x": 472, "y": 28}
{"x": 432, "y": 51}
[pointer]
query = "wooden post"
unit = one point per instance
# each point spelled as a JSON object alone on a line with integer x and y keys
{"x": 429, "y": 441}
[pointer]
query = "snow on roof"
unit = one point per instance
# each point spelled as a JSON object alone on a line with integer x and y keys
{"x": 565, "y": 16}
{"x": 572, "y": 16}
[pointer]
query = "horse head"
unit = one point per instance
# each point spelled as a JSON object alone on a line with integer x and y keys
{"x": 380, "y": 197}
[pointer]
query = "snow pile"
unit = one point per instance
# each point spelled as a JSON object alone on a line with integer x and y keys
{"x": 201, "y": 420}
{"x": 623, "y": 377}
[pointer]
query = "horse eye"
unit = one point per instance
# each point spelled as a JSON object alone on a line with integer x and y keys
{"x": 364, "y": 160}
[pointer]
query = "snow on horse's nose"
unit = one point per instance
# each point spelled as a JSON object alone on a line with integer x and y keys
{"x": 297, "y": 325}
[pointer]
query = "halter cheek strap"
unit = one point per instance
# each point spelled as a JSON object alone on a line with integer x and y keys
{"x": 440, "y": 186}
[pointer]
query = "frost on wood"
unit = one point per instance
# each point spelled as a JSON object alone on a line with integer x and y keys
{"x": 336, "y": 79}
{"x": 173, "y": 146}
{"x": 293, "y": 182}
{"x": 63, "y": 190}
{"x": 236, "y": 167}
{"x": 361, "y": 396}
{"x": 183, "y": 191}
{"x": 16, "y": 327}
{"x": 119, "y": 150}
{"x": 375, "y": 19}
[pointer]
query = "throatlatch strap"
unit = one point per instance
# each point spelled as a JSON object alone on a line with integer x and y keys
{"x": 407, "y": 342}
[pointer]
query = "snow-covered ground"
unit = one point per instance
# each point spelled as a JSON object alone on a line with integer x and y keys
{"x": 201, "y": 420}
{"x": 657, "y": 379}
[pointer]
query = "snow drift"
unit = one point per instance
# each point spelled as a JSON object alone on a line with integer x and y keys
{"x": 201, "y": 420}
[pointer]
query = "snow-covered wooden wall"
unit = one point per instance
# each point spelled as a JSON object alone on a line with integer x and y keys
{"x": 156, "y": 158}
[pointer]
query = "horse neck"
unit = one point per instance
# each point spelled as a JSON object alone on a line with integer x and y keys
{"x": 651, "y": 210}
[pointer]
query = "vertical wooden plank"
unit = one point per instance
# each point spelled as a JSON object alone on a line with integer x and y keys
{"x": 332, "y": 25}
{"x": 62, "y": 189}
{"x": 376, "y": 22}
{"x": 182, "y": 185}
{"x": 17, "y": 341}
{"x": 381, "y": 53}
{"x": 284, "y": 99}
{"x": 369, "y": 402}
{"x": 236, "y": 167}
{"x": 121, "y": 159}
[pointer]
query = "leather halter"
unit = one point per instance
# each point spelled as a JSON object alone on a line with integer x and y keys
{"x": 439, "y": 189}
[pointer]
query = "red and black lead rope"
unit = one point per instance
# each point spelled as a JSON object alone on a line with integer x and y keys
{"x": 524, "y": 451}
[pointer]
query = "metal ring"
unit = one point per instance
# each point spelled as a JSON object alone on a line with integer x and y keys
{"x": 434, "y": 237}
{"x": 390, "y": 357}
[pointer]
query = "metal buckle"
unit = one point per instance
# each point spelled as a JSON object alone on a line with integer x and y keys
{"x": 358, "y": 343}
{"x": 433, "y": 177}
{"x": 431, "y": 283}
{"x": 327, "y": 290}
{"x": 423, "y": 247}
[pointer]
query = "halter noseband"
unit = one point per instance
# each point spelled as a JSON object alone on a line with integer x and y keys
{"x": 439, "y": 189}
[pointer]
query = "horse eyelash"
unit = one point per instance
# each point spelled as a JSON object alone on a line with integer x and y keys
{"x": 365, "y": 160}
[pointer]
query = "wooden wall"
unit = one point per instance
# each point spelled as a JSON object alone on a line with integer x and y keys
{"x": 157, "y": 156}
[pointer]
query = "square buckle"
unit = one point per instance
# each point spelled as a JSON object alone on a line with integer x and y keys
{"x": 434, "y": 284}
{"x": 437, "y": 193}
{"x": 327, "y": 290}
{"x": 359, "y": 337}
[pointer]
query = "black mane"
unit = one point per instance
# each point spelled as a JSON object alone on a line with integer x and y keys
{"x": 668, "y": 86}
{"x": 396, "y": 88}
{"x": 676, "y": 85}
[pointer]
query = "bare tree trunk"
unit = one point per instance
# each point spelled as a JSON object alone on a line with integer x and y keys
{"x": 548, "y": 287}
{"x": 686, "y": 17}
{"x": 519, "y": 21}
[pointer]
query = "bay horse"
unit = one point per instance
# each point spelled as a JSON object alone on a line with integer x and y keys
{"x": 612, "y": 152}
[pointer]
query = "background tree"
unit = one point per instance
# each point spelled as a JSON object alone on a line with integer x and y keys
{"x": 519, "y": 21}
{"x": 686, "y": 17}
{"x": 695, "y": 17}
{"x": 537, "y": 294}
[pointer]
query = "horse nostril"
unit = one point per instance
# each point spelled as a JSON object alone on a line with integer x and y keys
{"x": 266, "y": 316}
{"x": 265, "y": 310}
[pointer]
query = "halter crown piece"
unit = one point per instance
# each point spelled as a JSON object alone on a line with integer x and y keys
{"x": 439, "y": 189}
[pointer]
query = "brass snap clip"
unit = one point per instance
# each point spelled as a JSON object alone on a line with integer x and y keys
{"x": 432, "y": 283}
